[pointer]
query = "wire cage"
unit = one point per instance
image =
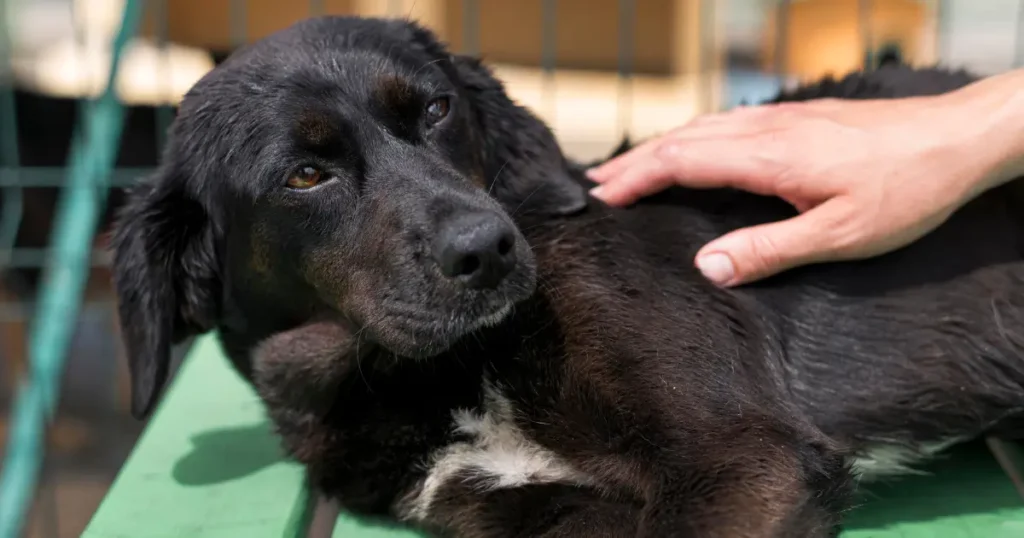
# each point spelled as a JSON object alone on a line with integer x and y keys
{"x": 85, "y": 105}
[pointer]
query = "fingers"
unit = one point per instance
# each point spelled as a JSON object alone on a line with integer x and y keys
{"x": 749, "y": 162}
{"x": 627, "y": 160}
{"x": 642, "y": 179}
{"x": 734, "y": 149}
{"x": 700, "y": 127}
{"x": 757, "y": 252}
{"x": 753, "y": 149}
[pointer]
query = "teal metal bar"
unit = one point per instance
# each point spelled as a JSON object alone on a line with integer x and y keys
{"x": 52, "y": 176}
{"x": 13, "y": 204}
{"x": 92, "y": 157}
{"x": 27, "y": 258}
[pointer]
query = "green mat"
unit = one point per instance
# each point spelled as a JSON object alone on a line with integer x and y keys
{"x": 207, "y": 466}
{"x": 966, "y": 495}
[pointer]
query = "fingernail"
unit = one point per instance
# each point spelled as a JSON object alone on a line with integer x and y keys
{"x": 717, "y": 267}
{"x": 592, "y": 173}
{"x": 596, "y": 191}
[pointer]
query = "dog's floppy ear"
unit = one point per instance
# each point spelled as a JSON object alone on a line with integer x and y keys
{"x": 166, "y": 275}
{"x": 522, "y": 162}
{"x": 625, "y": 145}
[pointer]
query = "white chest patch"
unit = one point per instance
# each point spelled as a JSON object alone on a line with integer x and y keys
{"x": 497, "y": 455}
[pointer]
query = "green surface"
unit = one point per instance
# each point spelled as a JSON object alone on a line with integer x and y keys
{"x": 347, "y": 527}
{"x": 207, "y": 466}
{"x": 966, "y": 495}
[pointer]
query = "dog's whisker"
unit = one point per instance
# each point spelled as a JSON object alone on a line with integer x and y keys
{"x": 412, "y": 8}
{"x": 494, "y": 181}
{"x": 362, "y": 375}
{"x": 426, "y": 65}
{"x": 520, "y": 206}
{"x": 359, "y": 359}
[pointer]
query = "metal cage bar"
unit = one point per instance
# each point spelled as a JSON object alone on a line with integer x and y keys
{"x": 92, "y": 157}
{"x": 1018, "y": 56}
{"x": 164, "y": 111}
{"x": 867, "y": 35}
{"x": 781, "y": 35}
{"x": 471, "y": 27}
{"x": 549, "y": 54}
{"x": 626, "y": 53}
{"x": 13, "y": 201}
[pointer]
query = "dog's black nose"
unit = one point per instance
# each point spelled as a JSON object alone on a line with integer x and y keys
{"x": 477, "y": 249}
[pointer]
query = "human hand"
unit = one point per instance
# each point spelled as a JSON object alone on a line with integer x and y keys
{"x": 867, "y": 177}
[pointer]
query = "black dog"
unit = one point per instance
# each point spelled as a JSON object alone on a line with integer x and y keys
{"x": 448, "y": 332}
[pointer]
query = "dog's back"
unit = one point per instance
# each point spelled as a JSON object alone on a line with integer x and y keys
{"x": 896, "y": 356}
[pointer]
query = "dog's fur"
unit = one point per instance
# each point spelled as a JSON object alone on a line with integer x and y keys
{"x": 603, "y": 388}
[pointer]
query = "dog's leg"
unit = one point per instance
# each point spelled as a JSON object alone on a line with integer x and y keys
{"x": 464, "y": 508}
{"x": 703, "y": 467}
{"x": 754, "y": 485}
{"x": 761, "y": 483}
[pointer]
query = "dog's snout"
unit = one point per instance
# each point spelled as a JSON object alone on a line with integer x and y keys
{"x": 477, "y": 249}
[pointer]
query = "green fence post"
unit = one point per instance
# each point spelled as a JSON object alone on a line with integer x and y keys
{"x": 10, "y": 211}
{"x": 89, "y": 167}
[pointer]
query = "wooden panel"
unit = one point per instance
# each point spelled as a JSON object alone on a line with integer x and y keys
{"x": 207, "y": 23}
{"x": 665, "y": 35}
{"x": 825, "y": 36}
{"x": 586, "y": 37}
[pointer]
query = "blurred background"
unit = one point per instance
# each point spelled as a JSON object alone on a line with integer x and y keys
{"x": 593, "y": 69}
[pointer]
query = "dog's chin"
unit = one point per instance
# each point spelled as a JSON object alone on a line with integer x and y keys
{"x": 420, "y": 339}
{"x": 428, "y": 322}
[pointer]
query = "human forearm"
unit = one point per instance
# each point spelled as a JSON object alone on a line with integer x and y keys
{"x": 991, "y": 116}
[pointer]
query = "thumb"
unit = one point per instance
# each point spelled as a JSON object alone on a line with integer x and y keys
{"x": 753, "y": 253}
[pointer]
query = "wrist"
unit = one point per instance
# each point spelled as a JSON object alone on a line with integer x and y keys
{"x": 990, "y": 127}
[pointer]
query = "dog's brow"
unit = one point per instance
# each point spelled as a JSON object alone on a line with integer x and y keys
{"x": 316, "y": 129}
{"x": 393, "y": 91}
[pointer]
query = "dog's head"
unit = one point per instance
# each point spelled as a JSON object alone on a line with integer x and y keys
{"x": 343, "y": 167}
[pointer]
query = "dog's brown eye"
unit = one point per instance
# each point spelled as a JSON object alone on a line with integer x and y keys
{"x": 306, "y": 178}
{"x": 437, "y": 110}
